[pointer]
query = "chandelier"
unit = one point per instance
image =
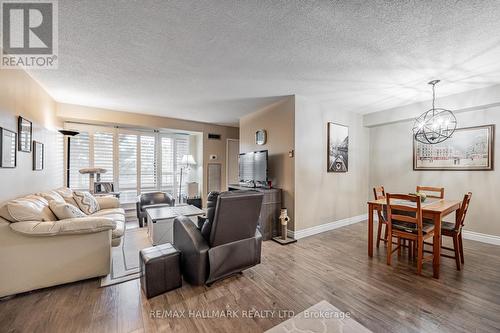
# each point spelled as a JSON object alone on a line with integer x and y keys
{"x": 436, "y": 125}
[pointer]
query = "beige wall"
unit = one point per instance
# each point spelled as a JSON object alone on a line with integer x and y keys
{"x": 76, "y": 113}
{"x": 20, "y": 95}
{"x": 279, "y": 122}
{"x": 391, "y": 156}
{"x": 322, "y": 197}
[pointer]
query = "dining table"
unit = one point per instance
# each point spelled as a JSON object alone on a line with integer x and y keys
{"x": 433, "y": 209}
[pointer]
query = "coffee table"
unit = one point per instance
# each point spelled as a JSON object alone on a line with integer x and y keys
{"x": 161, "y": 221}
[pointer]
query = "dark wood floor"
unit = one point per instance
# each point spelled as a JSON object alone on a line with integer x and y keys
{"x": 332, "y": 266}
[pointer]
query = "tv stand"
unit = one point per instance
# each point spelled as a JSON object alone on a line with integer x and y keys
{"x": 270, "y": 212}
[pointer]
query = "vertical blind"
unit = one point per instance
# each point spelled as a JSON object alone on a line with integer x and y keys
{"x": 136, "y": 161}
{"x": 79, "y": 158}
{"x": 103, "y": 154}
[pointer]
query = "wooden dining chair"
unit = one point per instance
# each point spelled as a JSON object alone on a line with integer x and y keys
{"x": 454, "y": 230}
{"x": 404, "y": 221}
{"x": 379, "y": 193}
{"x": 438, "y": 191}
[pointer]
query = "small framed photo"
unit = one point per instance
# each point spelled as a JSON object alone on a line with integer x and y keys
{"x": 25, "y": 130}
{"x": 8, "y": 150}
{"x": 38, "y": 156}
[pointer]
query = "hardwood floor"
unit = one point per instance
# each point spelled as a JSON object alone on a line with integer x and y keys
{"x": 332, "y": 266}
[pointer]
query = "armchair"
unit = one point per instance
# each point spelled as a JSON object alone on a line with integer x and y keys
{"x": 233, "y": 244}
{"x": 151, "y": 200}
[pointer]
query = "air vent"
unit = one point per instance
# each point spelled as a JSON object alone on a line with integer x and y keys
{"x": 212, "y": 136}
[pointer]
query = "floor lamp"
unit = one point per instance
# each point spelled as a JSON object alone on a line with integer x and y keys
{"x": 187, "y": 161}
{"x": 68, "y": 134}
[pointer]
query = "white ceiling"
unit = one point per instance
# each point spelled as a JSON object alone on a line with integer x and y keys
{"x": 214, "y": 61}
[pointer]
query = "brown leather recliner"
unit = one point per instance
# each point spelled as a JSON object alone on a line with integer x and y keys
{"x": 151, "y": 200}
{"x": 234, "y": 243}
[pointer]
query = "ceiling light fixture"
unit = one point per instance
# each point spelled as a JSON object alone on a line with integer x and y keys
{"x": 436, "y": 125}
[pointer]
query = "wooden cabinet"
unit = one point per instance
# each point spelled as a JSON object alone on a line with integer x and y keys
{"x": 270, "y": 212}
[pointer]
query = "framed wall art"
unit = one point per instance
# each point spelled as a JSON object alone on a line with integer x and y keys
{"x": 38, "y": 156}
{"x": 8, "y": 152}
{"x": 25, "y": 131}
{"x": 338, "y": 148}
{"x": 470, "y": 148}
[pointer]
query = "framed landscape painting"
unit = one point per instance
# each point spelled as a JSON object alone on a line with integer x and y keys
{"x": 338, "y": 148}
{"x": 469, "y": 148}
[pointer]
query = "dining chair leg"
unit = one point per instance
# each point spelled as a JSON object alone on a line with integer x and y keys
{"x": 379, "y": 232}
{"x": 457, "y": 251}
{"x": 386, "y": 234}
{"x": 399, "y": 246}
{"x": 389, "y": 250}
{"x": 420, "y": 254}
{"x": 410, "y": 249}
{"x": 461, "y": 245}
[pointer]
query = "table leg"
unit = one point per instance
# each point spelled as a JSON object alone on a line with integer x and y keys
{"x": 370, "y": 230}
{"x": 436, "y": 245}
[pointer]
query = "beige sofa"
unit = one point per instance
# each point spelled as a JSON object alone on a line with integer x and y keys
{"x": 38, "y": 251}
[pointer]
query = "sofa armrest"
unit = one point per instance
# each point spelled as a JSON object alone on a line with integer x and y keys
{"x": 108, "y": 201}
{"x": 82, "y": 225}
{"x": 194, "y": 250}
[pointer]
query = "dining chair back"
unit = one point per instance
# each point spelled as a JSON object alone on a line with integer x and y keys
{"x": 379, "y": 193}
{"x": 454, "y": 230}
{"x": 404, "y": 221}
{"x": 438, "y": 191}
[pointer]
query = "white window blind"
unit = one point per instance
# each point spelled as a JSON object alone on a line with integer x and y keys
{"x": 148, "y": 163}
{"x": 167, "y": 164}
{"x": 103, "y": 154}
{"x": 59, "y": 172}
{"x": 181, "y": 149}
{"x": 79, "y": 158}
{"x": 127, "y": 147}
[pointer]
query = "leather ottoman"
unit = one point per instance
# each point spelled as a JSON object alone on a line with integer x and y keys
{"x": 160, "y": 269}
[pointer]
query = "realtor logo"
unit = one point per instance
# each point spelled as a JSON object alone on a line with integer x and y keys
{"x": 29, "y": 34}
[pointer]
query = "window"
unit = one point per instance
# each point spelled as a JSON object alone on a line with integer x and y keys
{"x": 148, "y": 163}
{"x": 103, "y": 154}
{"x": 127, "y": 146}
{"x": 136, "y": 161}
{"x": 79, "y": 158}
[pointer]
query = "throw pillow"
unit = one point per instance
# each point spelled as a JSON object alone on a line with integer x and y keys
{"x": 86, "y": 202}
{"x": 67, "y": 195}
{"x": 206, "y": 229}
{"x": 64, "y": 210}
{"x": 52, "y": 195}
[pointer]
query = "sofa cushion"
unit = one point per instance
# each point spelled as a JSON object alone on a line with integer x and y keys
{"x": 86, "y": 201}
{"x": 51, "y": 196}
{"x": 67, "y": 195}
{"x": 29, "y": 208}
{"x": 108, "y": 211}
{"x": 64, "y": 210}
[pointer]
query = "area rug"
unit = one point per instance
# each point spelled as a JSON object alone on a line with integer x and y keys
{"x": 125, "y": 258}
{"x": 320, "y": 318}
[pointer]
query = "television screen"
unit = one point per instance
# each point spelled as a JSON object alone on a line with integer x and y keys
{"x": 253, "y": 167}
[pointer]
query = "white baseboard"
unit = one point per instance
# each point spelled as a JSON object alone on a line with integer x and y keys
{"x": 326, "y": 227}
{"x": 471, "y": 235}
{"x": 479, "y": 237}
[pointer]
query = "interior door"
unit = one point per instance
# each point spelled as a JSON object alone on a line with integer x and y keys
{"x": 232, "y": 168}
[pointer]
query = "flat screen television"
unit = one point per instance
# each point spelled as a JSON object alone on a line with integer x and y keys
{"x": 253, "y": 168}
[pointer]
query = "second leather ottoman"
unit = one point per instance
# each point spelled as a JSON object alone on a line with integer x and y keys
{"x": 160, "y": 269}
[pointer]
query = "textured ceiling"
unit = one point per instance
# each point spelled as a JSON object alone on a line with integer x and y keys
{"x": 215, "y": 61}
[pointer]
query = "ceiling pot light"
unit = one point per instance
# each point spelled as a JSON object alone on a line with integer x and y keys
{"x": 435, "y": 125}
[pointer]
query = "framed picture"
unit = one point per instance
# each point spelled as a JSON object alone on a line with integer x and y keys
{"x": 8, "y": 151}
{"x": 25, "y": 130}
{"x": 38, "y": 156}
{"x": 470, "y": 148}
{"x": 338, "y": 148}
